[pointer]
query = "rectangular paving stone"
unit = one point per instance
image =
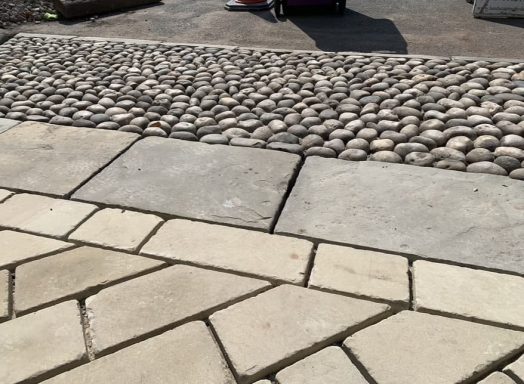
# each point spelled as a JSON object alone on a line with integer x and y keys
{"x": 185, "y": 355}
{"x": 225, "y": 184}
{"x": 414, "y": 347}
{"x": 116, "y": 228}
{"x": 359, "y": 272}
{"x": 53, "y": 159}
{"x": 43, "y": 215}
{"x": 469, "y": 293}
{"x": 277, "y": 258}
{"x": 4, "y": 194}
{"x": 330, "y": 365}
{"x": 279, "y": 327}
{"x": 5, "y": 281}
{"x": 40, "y": 344}
{"x": 74, "y": 274}
{"x": 497, "y": 378}
{"x": 127, "y": 312}
{"x": 6, "y": 124}
{"x": 467, "y": 218}
{"x": 16, "y": 247}
{"x": 516, "y": 369}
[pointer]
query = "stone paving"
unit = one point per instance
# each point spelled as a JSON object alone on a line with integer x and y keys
{"x": 322, "y": 291}
{"x": 451, "y": 113}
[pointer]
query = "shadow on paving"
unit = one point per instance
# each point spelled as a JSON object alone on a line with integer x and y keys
{"x": 352, "y": 31}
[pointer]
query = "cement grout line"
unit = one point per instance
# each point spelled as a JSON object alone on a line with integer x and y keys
{"x": 86, "y": 330}
{"x": 310, "y": 265}
{"x": 411, "y": 279}
{"x": 361, "y": 368}
{"x": 222, "y": 349}
{"x": 11, "y": 294}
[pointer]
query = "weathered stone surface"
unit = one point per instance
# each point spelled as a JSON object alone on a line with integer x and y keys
{"x": 497, "y": 378}
{"x": 516, "y": 369}
{"x": 41, "y": 342}
{"x": 232, "y": 185}
{"x": 361, "y": 273}
{"x": 53, "y": 159}
{"x": 116, "y": 228}
{"x": 80, "y": 8}
{"x": 469, "y": 293}
{"x": 273, "y": 257}
{"x": 4, "y": 194}
{"x": 187, "y": 354}
{"x": 330, "y": 365}
{"x": 413, "y": 347}
{"x": 73, "y": 274}
{"x": 6, "y": 124}
{"x": 427, "y": 212}
{"x": 152, "y": 303}
{"x": 4, "y": 294}
{"x": 42, "y": 214}
{"x": 16, "y": 247}
{"x": 286, "y": 324}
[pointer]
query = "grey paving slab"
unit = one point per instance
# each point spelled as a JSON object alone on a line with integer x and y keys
{"x": 5, "y": 124}
{"x": 470, "y": 219}
{"x": 242, "y": 186}
{"x": 53, "y": 159}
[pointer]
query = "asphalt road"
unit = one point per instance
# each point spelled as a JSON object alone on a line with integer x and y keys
{"x": 433, "y": 27}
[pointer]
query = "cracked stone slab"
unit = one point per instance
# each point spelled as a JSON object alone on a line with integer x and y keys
{"x": 4, "y": 194}
{"x": 17, "y": 248}
{"x": 516, "y": 369}
{"x": 73, "y": 274}
{"x": 41, "y": 343}
{"x": 187, "y": 354}
{"x": 6, "y": 124}
{"x": 359, "y": 272}
{"x": 225, "y": 184}
{"x": 136, "y": 308}
{"x": 330, "y": 365}
{"x": 278, "y": 258}
{"x": 414, "y": 347}
{"x": 465, "y": 218}
{"x": 116, "y": 228}
{"x": 279, "y": 327}
{"x": 43, "y": 215}
{"x": 53, "y": 159}
{"x": 469, "y": 293}
{"x": 5, "y": 281}
{"x": 497, "y": 378}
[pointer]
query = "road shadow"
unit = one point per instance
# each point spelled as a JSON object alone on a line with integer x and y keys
{"x": 352, "y": 31}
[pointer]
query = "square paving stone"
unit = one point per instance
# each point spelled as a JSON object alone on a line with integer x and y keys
{"x": 242, "y": 186}
{"x": 279, "y": 327}
{"x": 73, "y": 274}
{"x": 135, "y": 309}
{"x": 116, "y": 228}
{"x": 185, "y": 355}
{"x": 414, "y": 347}
{"x": 16, "y": 247}
{"x": 6, "y": 124}
{"x": 330, "y": 365}
{"x": 466, "y": 218}
{"x": 5, "y": 281}
{"x": 278, "y": 258}
{"x": 358, "y": 272}
{"x": 43, "y": 215}
{"x": 4, "y": 194}
{"x": 53, "y": 159}
{"x": 469, "y": 293}
{"x": 41, "y": 344}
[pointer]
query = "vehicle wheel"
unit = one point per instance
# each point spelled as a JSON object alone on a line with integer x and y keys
{"x": 277, "y": 8}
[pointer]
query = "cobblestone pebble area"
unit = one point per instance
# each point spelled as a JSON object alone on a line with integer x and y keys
{"x": 448, "y": 113}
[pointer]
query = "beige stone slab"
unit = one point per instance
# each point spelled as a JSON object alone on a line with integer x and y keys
{"x": 5, "y": 281}
{"x": 185, "y": 355}
{"x": 152, "y": 303}
{"x": 330, "y": 365}
{"x": 469, "y": 293}
{"x": 516, "y": 369}
{"x": 276, "y": 328}
{"x": 73, "y": 274}
{"x": 41, "y": 343}
{"x": 43, "y": 215}
{"x": 272, "y": 257}
{"x": 359, "y": 272}
{"x": 4, "y": 194}
{"x": 116, "y": 228}
{"x": 497, "y": 378}
{"x": 414, "y": 347}
{"x": 16, "y": 247}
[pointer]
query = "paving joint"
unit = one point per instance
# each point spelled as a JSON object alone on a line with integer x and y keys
{"x": 310, "y": 265}
{"x": 222, "y": 349}
{"x": 86, "y": 329}
{"x": 361, "y": 368}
